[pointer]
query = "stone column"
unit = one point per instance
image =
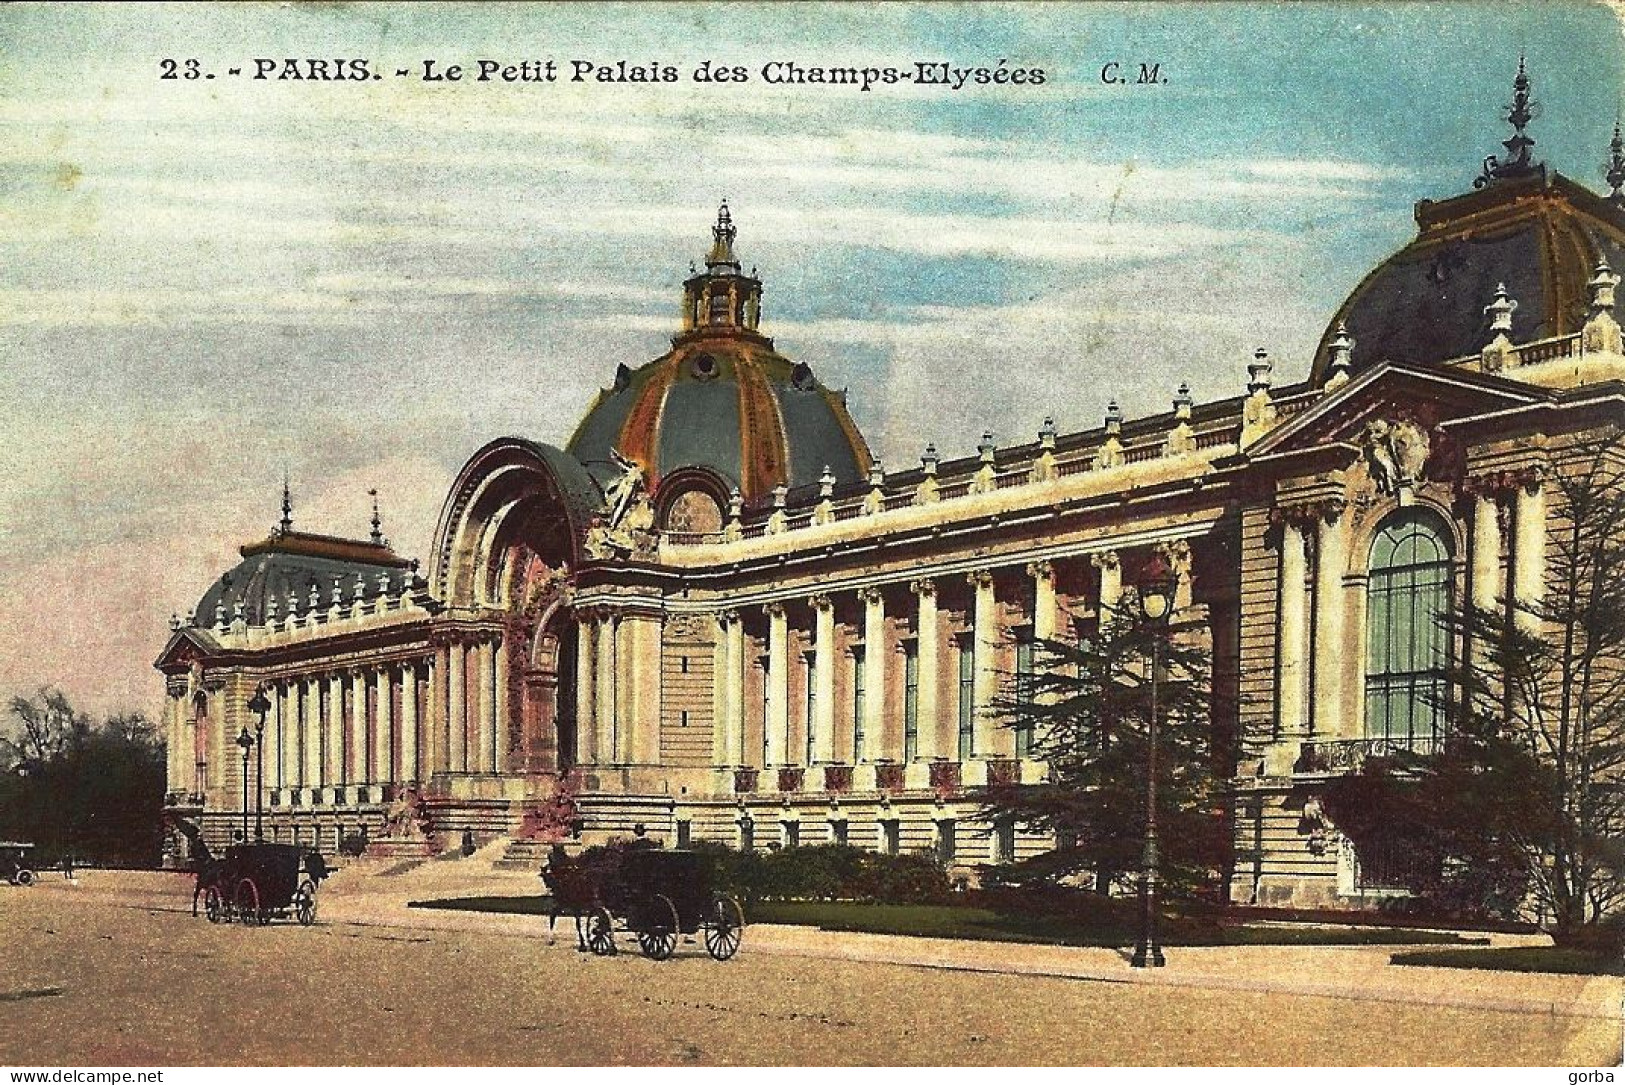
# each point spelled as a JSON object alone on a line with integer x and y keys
{"x": 736, "y": 687}
{"x": 457, "y": 707}
{"x": 333, "y": 733}
{"x": 639, "y": 685}
{"x": 383, "y": 740}
{"x": 586, "y": 697}
{"x": 985, "y": 677}
{"x": 1044, "y": 614}
{"x": 279, "y": 732}
{"x": 1331, "y": 559}
{"x": 1292, "y": 627}
{"x": 357, "y": 763}
{"x": 883, "y": 730}
{"x": 1486, "y": 572}
{"x": 437, "y": 725}
{"x": 1528, "y": 551}
{"x": 925, "y": 626}
{"x": 823, "y": 718}
{"x": 607, "y": 695}
{"x": 504, "y": 710}
{"x": 722, "y": 740}
{"x": 482, "y": 747}
{"x": 411, "y": 768}
{"x": 778, "y": 685}
{"x": 310, "y": 733}
{"x": 1111, "y": 583}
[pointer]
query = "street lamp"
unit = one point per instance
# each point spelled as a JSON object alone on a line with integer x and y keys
{"x": 1156, "y": 599}
{"x": 259, "y": 704}
{"x": 245, "y": 742}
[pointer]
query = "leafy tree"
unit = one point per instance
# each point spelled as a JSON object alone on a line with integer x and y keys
{"x": 1521, "y": 811}
{"x": 74, "y": 788}
{"x": 1088, "y": 706}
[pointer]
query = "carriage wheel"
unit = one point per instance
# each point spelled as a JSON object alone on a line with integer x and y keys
{"x": 659, "y": 934}
{"x": 24, "y": 877}
{"x": 213, "y": 906}
{"x": 304, "y": 903}
{"x": 248, "y": 903}
{"x": 724, "y": 928}
{"x": 601, "y": 932}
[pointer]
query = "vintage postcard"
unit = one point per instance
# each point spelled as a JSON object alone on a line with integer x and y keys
{"x": 756, "y": 534}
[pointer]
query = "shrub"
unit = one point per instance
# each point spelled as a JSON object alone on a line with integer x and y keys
{"x": 827, "y": 872}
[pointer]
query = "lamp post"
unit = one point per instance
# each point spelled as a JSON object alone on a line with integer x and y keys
{"x": 259, "y": 704}
{"x": 1156, "y": 598}
{"x": 245, "y": 742}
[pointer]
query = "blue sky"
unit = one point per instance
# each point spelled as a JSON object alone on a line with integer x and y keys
{"x": 206, "y": 282}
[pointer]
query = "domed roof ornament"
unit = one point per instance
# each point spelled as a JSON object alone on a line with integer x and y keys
{"x": 1516, "y": 165}
{"x": 1616, "y": 169}
{"x": 377, "y": 535}
{"x": 722, "y": 242}
{"x": 286, "y": 524}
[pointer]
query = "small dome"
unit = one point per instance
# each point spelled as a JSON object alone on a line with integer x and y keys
{"x": 291, "y": 563}
{"x": 723, "y": 399}
{"x": 1539, "y": 234}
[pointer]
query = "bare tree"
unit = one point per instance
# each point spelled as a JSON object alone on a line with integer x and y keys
{"x": 43, "y": 726}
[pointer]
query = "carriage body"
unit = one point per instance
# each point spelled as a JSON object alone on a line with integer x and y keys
{"x": 14, "y": 864}
{"x": 655, "y": 894}
{"x": 254, "y": 883}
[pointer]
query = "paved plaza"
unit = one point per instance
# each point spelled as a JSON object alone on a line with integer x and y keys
{"x": 114, "y": 970}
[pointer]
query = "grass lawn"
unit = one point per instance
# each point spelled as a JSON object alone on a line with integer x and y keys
{"x": 1517, "y": 959}
{"x": 980, "y": 924}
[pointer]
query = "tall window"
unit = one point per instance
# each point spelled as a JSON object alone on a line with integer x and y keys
{"x": 1406, "y": 648}
{"x": 911, "y": 700}
{"x": 1024, "y": 691}
{"x": 967, "y": 698}
{"x": 858, "y": 678}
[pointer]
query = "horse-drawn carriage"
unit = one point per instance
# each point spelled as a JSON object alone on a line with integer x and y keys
{"x": 654, "y": 894}
{"x": 254, "y": 883}
{"x": 14, "y": 866}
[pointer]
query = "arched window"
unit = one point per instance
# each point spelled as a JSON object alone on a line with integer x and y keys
{"x": 1407, "y": 649}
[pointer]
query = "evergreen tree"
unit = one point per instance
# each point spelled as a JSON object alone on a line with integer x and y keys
{"x": 1088, "y": 707}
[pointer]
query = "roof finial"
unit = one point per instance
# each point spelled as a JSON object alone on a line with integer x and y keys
{"x": 287, "y": 506}
{"x": 722, "y": 241}
{"x": 377, "y": 521}
{"x": 1616, "y": 168}
{"x": 1519, "y": 114}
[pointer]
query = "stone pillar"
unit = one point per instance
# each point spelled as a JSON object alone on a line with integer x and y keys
{"x": 333, "y": 733}
{"x": 929, "y": 656}
{"x": 586, "y": 696}
{"x": 639, "y": 683}
{"x": 736, "y": 688}
{"x": 482, "y": 747}
{"x": 1486, "y": 572}
{"x": 1111, "y": 583}
{"x": 823, "y": 719}
{"x": 1292, "y": 627}
{"x": 722, "y": 739}
{"x": 1044, "y": 613}
{"x": 607, "y": 698}
{"x": 778, "y": 685}
{"x": 278, "y": 757}
{"x": 357, "y": 763}
{"x": 310, "y": 732}
{"x": 411, "y": 767}
{"x": 883, "y": 730}
{"x": 457, "y": 707}
{"x": 985, "y": 673}
{"x": 437, "y": 724}
{"x": 504, "y": 710}
{"x": 1528, "y": 551}
{"x": 1331, "y": 653}
{"x": 383, "y": 728}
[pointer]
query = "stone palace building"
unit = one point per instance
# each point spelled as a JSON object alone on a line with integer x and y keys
{"x": 713, "y": 615}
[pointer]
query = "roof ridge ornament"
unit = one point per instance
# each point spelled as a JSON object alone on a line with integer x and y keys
{"x": 722, "y": 241}
{"x": 286, "y": 524}
{"x": 1615, "y": 175}
{"x": 377, "y": 521}
{"x": 1516, "y": 165}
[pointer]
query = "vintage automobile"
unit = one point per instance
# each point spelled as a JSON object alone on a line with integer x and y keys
{"x": 656, "y": 895}
{"x": 14, "y": 866}
{"x": 255, "y": 883}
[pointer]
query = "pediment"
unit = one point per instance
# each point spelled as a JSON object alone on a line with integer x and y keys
{"x": 1393, "y": 393}
{"x": 184, "y": 647}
